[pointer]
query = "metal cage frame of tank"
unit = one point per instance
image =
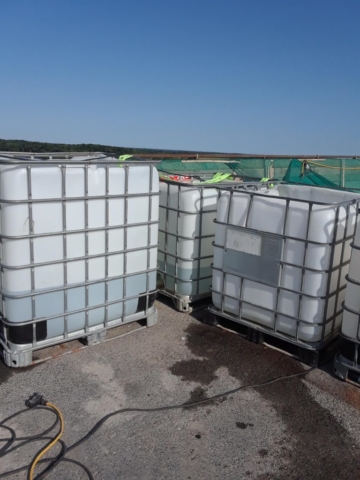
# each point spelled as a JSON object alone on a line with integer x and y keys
{"x": 273, "y": 331}
{"x": 348, "y": 369}
{"x": 20, "y": 357}
{"x": 344, "y": 367}
{"x": 183, "y": 302}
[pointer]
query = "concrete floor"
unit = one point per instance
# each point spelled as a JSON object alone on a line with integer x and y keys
{"x": 303, "y": 428}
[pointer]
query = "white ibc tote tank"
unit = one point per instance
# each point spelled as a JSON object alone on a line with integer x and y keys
{"x": 347, "y": 363}
{"x": 186, "y": 235}
{"x": 79, "y": 248}
{"x": 351, "y": 324}
{"x": 281, "y": 258}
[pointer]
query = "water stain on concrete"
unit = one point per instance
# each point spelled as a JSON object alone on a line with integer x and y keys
{"x": 317, "y": 446}
{"x": 243, "y": 426}
{"x": 319, "y": 442}
{"x": 197, "y": 395}
{"x": 5, "y": 373}
{"x": 214, "y": 348}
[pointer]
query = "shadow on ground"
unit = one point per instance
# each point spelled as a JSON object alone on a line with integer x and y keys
{"x": 310, "y": 427}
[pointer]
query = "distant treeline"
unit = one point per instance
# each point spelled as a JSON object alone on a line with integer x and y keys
{"x": 41, "y": 147}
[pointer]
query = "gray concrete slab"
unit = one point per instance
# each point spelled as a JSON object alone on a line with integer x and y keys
{"x": 303, "y": 428}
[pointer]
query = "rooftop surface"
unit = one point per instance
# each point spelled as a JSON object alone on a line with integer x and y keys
{"x": 299, "y": 428}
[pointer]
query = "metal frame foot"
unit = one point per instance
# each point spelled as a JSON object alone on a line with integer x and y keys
{"x": 152, "y": 318}
{"x": 95, "y": 338}
{"x": 18, "y": 360}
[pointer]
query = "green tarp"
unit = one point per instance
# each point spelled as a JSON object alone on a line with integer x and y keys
{"x": 298, "y": 172}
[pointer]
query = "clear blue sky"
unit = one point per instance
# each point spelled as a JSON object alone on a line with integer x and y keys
{"x": 274, "y": 76}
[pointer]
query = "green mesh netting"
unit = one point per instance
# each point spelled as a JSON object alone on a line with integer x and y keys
{"x": 344, "y": 172}
{"x": 247, "y": 168}
{"x": 297, "y": 173}
{"x": 332, "y": 172}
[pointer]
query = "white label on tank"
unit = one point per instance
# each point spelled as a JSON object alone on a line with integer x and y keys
{"x": 244, "y": 242}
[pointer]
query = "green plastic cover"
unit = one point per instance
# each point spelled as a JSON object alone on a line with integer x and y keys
{"x": 301, "y": 173}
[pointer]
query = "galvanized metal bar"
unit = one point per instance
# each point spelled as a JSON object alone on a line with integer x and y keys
{"x": 73, "y": 335}
{"x": 72, "y": 199}
{"x": 106, "y": 320}
{"x": 32, "y": 270}
{"x": 341, "y": 263}
{"x": 172, "y": 209}
{"x": 149, "y": 240}
{"x": 310, "y": 242}
{"x": 278, "y": 290}
{"x": 81, "y": 310}
{"x": 309, "y": 269}
{"x": 331, "y": 263}
{"x": 271, "y": 310}
{"x": 5, "y": 322}
{"x": 200, "y": 239}
{"x": 126, "y": 221}
{"x": 242, "y": 279}
{"x": 177, "y": 238}
{"x": 187, "y": 281}
{"x": 224, "y": 274}
{"x": 69, "y": 232}
{"x": 63, "y": 194}
{"x": 357, "y": 221}
{"x": 51, "y": 159}
{"x": 184, "y": 237}
{"x": 76, "y": 259}
{"x": 198, "y": 156}
{"x": 312, "y": 347}
{"x": 72, "y": 286}
{"x": 165, "y": 252}
{"x": 307, "y": 295}
{"x": 86, "y": 190}
{"x": 298, "y": 200}
{"x": 77, "y": 349}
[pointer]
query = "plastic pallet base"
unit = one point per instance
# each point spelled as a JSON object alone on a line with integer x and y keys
{"x": 312, "y": 358}
{"x": 187, "y": 306}
{"x": 24, "y": 358}
{"x": 345, "y": 370}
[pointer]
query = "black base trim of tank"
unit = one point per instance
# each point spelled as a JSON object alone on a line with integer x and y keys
{"x": 347, "y": 349}
{"x": 310, "y": 357}
{"x": 24, "y": 333}
{"x": 141, "y": 307}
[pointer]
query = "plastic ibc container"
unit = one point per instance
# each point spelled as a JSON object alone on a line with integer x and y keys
{"x": 79, "y": 241}
{"x": 281, "y": 259}
{"x": 186, "y": 235}
{"x": 347, "y": 362}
